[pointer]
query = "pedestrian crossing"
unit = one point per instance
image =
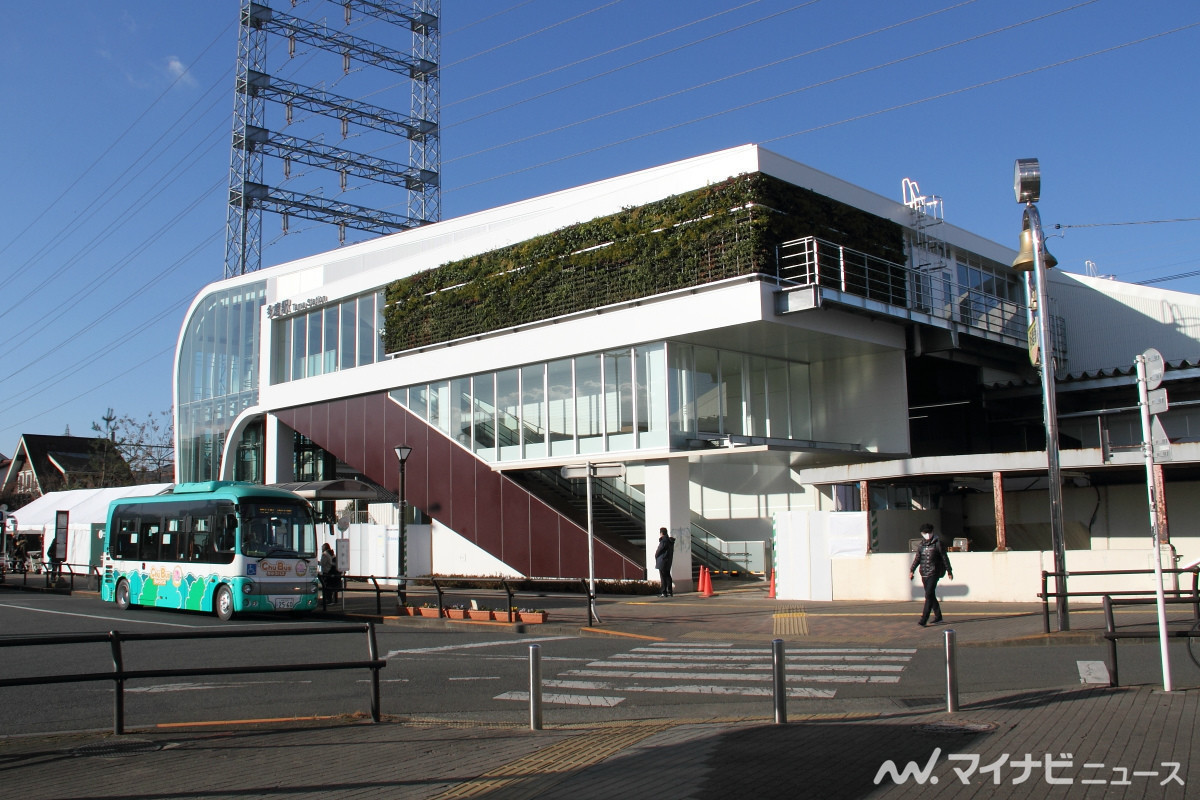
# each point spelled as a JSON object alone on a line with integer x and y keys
{"x": 719, "y": 669}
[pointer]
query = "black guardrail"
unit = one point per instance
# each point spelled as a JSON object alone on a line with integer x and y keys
{"x": 1112, "y": 633}
{"x": 1192, "y": 596}
{"x": 119, "y": 675}
{"x": 41, "y": 576}
{"x": 449, "y": 585}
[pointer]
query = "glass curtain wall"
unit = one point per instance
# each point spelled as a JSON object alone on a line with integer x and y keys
{"x": 328, "y": 339}
{"x": 217, "y": 375}
{"x": 652, "y": 396}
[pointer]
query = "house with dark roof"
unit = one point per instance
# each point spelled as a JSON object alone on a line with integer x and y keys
{"x": 44, "y": 464}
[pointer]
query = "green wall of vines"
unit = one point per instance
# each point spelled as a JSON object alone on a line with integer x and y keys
{"x": 724, "y": 230}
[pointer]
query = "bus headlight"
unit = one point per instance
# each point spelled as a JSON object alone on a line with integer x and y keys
{"x": 247, "y": 588}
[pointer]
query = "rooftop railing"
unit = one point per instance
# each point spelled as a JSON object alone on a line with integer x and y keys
{"x": 810, "y": 262}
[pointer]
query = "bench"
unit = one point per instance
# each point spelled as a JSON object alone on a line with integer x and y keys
{"x": 1112, "y": 633}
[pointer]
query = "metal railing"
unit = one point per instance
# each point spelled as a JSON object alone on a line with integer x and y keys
{"x": 41, "y": 577}
{"x": 1176, "y": 594}
{"x": 1112, "y": 634}
{"x": 815, "y": 262}
{"x": 119, "y": 675}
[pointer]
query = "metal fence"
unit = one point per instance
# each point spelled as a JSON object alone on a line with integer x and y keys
{"x": 119, "y": 675}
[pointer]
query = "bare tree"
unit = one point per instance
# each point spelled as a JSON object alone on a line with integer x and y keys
{"x": 148, "y": 445}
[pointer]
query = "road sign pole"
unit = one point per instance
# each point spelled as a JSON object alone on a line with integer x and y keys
{"x": 1151, "y": 495}
{"x": 591, "y": 548}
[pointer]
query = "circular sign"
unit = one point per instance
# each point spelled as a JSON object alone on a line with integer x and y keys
{"x": 1154, "y": 368}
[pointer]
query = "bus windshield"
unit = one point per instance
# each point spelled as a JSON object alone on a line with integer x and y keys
{"x": 277, "y": 528}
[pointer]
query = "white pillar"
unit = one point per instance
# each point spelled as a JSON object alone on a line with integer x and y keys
{"x": 277, "y": 451}
{"x": 667, "y": 506}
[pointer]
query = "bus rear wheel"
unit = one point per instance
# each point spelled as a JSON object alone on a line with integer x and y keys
{"x": 122, "y": 595}
{"x": 223, "y": 603}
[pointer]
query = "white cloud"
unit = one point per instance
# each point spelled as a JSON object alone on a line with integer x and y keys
{"x": 178, "y": 70}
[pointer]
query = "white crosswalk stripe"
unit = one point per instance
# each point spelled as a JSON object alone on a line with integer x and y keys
{"x": 720, "y": 669}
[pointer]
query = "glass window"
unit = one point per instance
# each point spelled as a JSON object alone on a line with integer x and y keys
{"x": 732, "y": 394}
{"x": 349, "y": 324}
{"x": 299, "y": 342}
{"x": 800, "y": 399}
{"x": 756, "y": 396}
{"x": 314, "y": 358}
{"x": 560, "y": 409}
{"x": 366, "y": 329}
{"x": 778, "y": 418}
{"x": 651, "y": 395}
{"x": 533, "y": 410}
{"x": 707, "y": 388}
{"x": 682, "y": 398}
{"x": 483, "y": 416}
{"x": 281, "y": 349}
{"x": 380, "y": 304}
{"x": 459, "y": 408}
{"x": 589, "y": 409}
{"x": 331, "y": 340}
{"x": 618, "y": 399}
{"x": 508, "y": 423}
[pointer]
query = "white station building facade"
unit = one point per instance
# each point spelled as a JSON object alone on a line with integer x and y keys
{"x": 793, "y": 374}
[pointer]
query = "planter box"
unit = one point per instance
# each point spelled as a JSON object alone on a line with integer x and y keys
{"x": 428, "y": 612}
{"x": 532, "y": 616}
{"x": 409, "y": 611}
{"x": 479, "y": 614}
{"x": 456, "y": 613}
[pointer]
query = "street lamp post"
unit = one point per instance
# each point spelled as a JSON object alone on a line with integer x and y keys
{"x": 402, "y": 453}
{"x": 1033, "y": 258}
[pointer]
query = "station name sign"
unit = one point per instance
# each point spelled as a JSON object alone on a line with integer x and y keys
{"x": 286, "y": 308}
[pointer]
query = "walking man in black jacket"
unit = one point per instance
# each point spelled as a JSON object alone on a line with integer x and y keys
{"x": 934, "y": 562}
{"x": 664, "y": 556}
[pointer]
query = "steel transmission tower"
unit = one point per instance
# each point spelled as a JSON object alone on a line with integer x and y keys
{"x": 254, "y": 141}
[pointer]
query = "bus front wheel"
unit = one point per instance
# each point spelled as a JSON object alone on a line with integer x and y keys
{"x": 122, "y": 595}
{"x": 223, "y": 603}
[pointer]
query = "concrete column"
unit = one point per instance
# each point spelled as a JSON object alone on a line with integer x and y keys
{"x": 277, "y": 451}
{"x": 667, "y": 506}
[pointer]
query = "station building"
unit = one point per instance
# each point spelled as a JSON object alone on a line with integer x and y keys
{"x": 791, "y": 373}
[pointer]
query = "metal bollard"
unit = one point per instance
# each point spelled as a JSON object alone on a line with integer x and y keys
{"x": 951, "y": 673}
{"x": 779, "y": 680}
{"x": 535, "y": 687}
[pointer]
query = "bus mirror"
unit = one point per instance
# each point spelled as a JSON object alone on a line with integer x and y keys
{"x": 231, "y": 522}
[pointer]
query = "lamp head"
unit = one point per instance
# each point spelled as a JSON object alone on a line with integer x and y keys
{"x": 402, "y": 453}
{"x": 1027, "y": 180}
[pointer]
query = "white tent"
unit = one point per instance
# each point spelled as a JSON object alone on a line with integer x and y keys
{"x": 87, "y": 511}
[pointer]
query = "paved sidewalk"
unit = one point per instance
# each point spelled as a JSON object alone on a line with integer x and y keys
{"x": 1076, "y": 742}
{"x": 1113, "y": 743}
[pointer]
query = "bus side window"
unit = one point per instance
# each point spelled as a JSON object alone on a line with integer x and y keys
{"x": 124, "y": 543}
{"x": 148, "y": 536}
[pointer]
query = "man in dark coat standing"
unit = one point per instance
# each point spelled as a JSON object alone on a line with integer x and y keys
{"x": 932, "y": 560}
{"x": 664, "y": 556}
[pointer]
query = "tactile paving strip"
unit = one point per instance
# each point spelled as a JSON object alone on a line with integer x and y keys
{"x": 790, "y": 622}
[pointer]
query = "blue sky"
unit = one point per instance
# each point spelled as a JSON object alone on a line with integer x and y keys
{"x": 116, "y": 126}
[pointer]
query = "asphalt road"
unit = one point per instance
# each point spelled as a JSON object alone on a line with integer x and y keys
{"x": 482, "y": 674}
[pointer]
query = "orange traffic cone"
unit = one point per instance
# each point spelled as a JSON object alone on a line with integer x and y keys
{"x": 705, "y": 582}
{"x": 771, "y": 593}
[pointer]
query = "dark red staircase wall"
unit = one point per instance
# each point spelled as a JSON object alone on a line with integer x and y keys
{"x": 452, "y": 485}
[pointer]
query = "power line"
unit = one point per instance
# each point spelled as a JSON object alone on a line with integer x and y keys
{"x": 1141, "y": 222}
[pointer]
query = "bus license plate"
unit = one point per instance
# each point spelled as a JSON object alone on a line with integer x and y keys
{"x": 284, "y": 602}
